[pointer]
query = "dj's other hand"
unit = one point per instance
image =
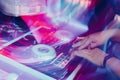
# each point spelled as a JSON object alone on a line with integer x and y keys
{"x": 93, "y": 40}
{"x": 95, "y": 56}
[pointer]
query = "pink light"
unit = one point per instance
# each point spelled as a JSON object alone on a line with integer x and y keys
{"x": 44, "y": 35}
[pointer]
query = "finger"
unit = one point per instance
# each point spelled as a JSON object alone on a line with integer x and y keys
{"x": 78, "y": 39}
{"x": 79, "y": 43}
{"x": 93, "y": 45}
{"x": 80, "y": 53}
{"x": 72, "y": 54}
{"x": 85, "y": 44}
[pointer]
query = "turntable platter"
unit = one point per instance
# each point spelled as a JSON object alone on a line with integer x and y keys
{"x": 32, "y": 54}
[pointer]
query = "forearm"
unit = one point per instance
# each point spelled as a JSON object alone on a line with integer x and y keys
{"x": 116, "y": 36}
{"x": 113, "y": 34}
{"x": 114, "y": 65}
{"x": 116, "y": 32}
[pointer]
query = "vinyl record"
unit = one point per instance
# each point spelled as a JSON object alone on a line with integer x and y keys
{"x": 64, "y": 36}
{"x": 33, "y": 54}
{"x": 44, "y": 52}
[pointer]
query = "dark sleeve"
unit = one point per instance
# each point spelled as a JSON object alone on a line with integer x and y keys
{"x": 116, "y": 5}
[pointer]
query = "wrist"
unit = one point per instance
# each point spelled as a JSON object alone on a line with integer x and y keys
{"x": 106, "y": 59}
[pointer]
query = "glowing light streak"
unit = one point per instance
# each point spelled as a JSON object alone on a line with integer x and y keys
{"x": 7, "y": 76}
{"x": 20, "y": 37}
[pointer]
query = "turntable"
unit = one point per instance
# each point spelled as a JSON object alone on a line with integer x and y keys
{"x": 51, "y": 60}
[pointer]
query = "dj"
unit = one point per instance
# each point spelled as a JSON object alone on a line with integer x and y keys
{"x": 86, "y": 47}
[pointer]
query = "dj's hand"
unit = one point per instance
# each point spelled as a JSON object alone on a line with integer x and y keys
{"x": 95, "y": 56}
{"x": 93, "y": 40}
